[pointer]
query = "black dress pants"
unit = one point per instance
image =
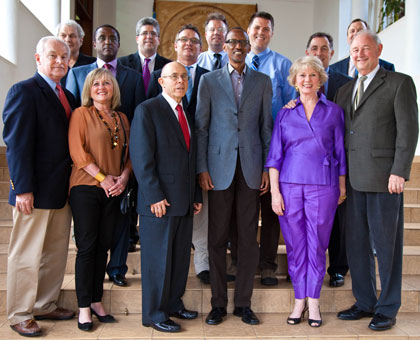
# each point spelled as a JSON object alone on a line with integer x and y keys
{"x": 242, "y": 201}
{"x": 95, "y": 217}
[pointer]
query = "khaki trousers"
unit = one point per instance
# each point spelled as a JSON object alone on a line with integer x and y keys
{"x": 36, "y": 263}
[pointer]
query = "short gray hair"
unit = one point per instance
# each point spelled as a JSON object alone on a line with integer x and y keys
{"x": 371, "y": 34}
{"x": 41, "y": 44}
{"x": 70, "y": 23}
{"x": 304, "y": 62}
{"x": 147, "y": 21}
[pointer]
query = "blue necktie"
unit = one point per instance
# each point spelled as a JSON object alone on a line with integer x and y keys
{"x": 255, "y": 62}
{"x": 190, "y": 83}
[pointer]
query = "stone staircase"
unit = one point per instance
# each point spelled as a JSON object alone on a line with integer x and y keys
{"x": 272, "y": 304}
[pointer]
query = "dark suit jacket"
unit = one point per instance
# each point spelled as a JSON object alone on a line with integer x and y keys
{"x": 133, "y": 61}
{"x": 381, "y": 137}
{"x": 36, "y": 134}
{"x": 155, "y": 89}
{"x": 161, "y": 162}
{"x": 335, "y": 81}
{"x": 342, "y": 66}
{"x": 130, "y": 82}
{"x": 83, "y": 59}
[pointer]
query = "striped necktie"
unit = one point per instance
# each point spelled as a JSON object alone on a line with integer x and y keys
{"x": 359, "y": 92}
{"x": 255, "y": 62}
{"x": 218, "y": 62}
{"x": 190, "y": 83}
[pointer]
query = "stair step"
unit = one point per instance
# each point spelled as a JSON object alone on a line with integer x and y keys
{"x": 412, "y": 213}
{"x": 411, "y": 195}
{"x": 5, "y": 209}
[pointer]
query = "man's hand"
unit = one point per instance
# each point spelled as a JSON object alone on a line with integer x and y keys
{"x": 197, "y": 208}
{"x": 205, "y": 181}
{"x": 290, "y": 105}
{"x": 25, "y": 203}
{"x": 159, "y": 208}
{"x": 265, "y": 183}
{"x": 396, "y": 184}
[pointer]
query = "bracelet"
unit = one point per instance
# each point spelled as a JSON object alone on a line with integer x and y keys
{"x": 343, "y": 197}
{"x": 100, "y": 177}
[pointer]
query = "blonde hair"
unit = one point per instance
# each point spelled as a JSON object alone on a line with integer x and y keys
{"x": 98, "y": 74}
{"x": 303, "y": 63}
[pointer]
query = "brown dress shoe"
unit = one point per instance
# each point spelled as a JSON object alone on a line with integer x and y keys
{"x": 27, "y": 328}
{"x": 58, "y": 314}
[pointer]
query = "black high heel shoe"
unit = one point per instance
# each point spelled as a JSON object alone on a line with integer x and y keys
{"x": 315, "y": 323}
{"x": 86, "y": 326}
{"x": 295, "y": 321}
{"x": 103, "y": 318}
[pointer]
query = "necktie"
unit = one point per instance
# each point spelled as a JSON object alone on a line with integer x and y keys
{"x": 190, "y": 83}
{"x": 218, "y": 61}
{"x": 108, "y": 66}
{"x": 146, "y": 74}
{"x": 255, "y": 62}
{"x": 184, "y": 126}
{"x": 359, "y": 92}
{"x": 63, "y": 100}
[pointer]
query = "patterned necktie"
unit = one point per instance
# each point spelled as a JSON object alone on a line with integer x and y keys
{"x": 359, "y": 92}
{"x": 255, "y": 62}
{"x": 63, "y": 100}
{"x": 146, "y": 74}
{"x": 218, "y": 61}
{"x": 184, "y": 126}
{"x": 108, "y": 67}
{"x": 190, "y": 83}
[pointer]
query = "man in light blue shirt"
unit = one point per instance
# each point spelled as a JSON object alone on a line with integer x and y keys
{"x": 215, "y": 29}
{"x": 276, "y": 66}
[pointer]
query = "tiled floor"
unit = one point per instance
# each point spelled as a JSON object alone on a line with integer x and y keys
{"x": 273, "y": 326}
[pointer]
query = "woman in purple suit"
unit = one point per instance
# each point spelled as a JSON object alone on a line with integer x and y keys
{"x": 307, "y": 166}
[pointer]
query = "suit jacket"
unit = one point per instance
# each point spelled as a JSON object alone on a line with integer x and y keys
{"x": 130, "y": 83}
{"x": 163, "y": 166}
{"x": 342, "y": 66}
{"x": 335, "y": 81}
{"x": 133, "y": 61}
{"x": 381, "y": 137}
{"x": 83, "y": 59}
{"x": 155, "y": 89}
{"x": 36, "y": 134}
{"x": 224, "y": 130}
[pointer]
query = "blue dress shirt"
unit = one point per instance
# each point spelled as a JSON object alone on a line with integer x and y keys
{"x": 206, "y": 59}
{"x": 277, "y": 68}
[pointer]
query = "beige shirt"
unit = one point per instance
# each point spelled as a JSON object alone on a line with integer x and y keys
{"x": 90, "y": 142}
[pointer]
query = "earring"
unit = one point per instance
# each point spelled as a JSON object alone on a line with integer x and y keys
{"x": 318, "y": 87}
{"x": 297, "y": 88}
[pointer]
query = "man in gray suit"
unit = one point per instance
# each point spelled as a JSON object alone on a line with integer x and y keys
{"x": 381, "y": 137}
{"x": 233, "y": 127}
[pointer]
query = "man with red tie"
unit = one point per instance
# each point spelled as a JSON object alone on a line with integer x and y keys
{"x": 36, "y": 115}
{"x": 163, "y": 154}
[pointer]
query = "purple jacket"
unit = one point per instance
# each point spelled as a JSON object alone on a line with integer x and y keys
{"x": 309, "y": 152}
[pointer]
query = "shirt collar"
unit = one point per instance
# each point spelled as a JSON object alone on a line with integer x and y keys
{"x": 262, "y": 54}
{"x": 211, "y": 53}
{"x": 371, "y": 74}
{"x": 231, "y": 69}
{"x": 172, "y": 102}
{"x": 321, "y": 98}
{"x": 142, "y": 57}
{"x": 101, "y": 63}
{"x": 49, "y": 81}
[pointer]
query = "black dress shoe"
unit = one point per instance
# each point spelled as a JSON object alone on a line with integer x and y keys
{"x": 230, "y": 277}
{"x": 132, "y": 247}
{"x": 216, "y": 315}
{"x": 86, "y": 326}
{"x": 381, "y": 322}
{"x": 204, "y": 277}
{"x": 336, "y": 280}
{"x": 103, "y": 318}
{"x": 353, "y": 313}
{"x": 118, "y": 279}
{"x": 288, "y": 279}
{"x": 247, "y": 315}
{"x": 184, "y": 314}
{"x": 167, "y": 326}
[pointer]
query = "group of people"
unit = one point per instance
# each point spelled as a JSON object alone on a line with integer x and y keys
{"x": 206, "y": 142}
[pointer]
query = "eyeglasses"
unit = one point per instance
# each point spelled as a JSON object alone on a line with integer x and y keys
{"x": 234, "y": 42}
{"x": 193, "y": 41}
{"x": 175, "y": 76}
{"x": 218, "y": 29}
{"x": 153, "y": 34}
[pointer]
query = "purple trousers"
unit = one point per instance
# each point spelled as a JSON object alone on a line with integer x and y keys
{"x": 306, "y": 226}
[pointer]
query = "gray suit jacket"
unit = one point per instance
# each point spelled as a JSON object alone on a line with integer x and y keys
{"x": 381, "y": 137}
{"x": 223, "y": 130}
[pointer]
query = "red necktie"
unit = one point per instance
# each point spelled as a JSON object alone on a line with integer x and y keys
{"x": 108, "y": 66}
{"x": 63, "y": 100}
{"x": 184, "y": 126}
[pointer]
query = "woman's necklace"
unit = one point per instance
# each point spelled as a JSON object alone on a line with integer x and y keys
{"x": 112, "y": 132}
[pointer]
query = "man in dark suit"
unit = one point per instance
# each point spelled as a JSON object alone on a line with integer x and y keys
{"x": 72, "y": 34}
{"x": 35, "y": 116}
{"x": 381, "y": 136}
{"x": 346, "y": 65}
{"x": 148, "y": 40}
{"x": 107, "y": 43}
{"x": 233, "y": 127}
{"x": 187, "y": 47}
{"x": 321, "y": 45}
{"x": 163, "y": 153}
